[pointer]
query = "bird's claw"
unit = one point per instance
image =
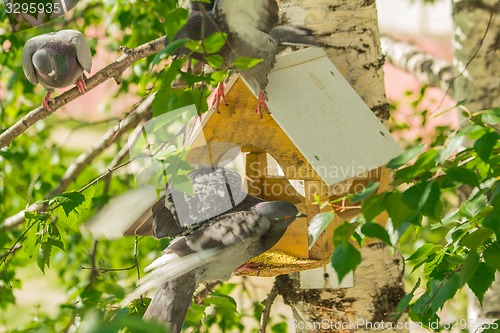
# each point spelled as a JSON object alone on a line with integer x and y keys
{"x": 81, "y": 85}
{"x": 46, "y": 100}
{"x": 219, "y": 94}
{"x": 261, "y": 104}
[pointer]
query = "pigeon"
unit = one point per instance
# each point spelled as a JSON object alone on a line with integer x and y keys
{"x": 252, "y": 32}
{"x": 57, "y": 60}
{"x": 209, "y": 253}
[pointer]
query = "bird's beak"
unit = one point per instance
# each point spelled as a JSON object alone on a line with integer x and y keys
{"x": 300, "y": 214}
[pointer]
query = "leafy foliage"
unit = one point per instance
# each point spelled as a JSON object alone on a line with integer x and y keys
{"x": 95, "y": 275}
{"x": 469, "y": 253}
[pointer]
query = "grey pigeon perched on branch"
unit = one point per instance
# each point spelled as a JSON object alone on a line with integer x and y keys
{"x": 57, "y": 60}
{"x": 211, "y": 253}
{"x": 252, "y": 31}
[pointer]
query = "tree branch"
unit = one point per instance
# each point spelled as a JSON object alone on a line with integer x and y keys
{"x": 268, "y": 303}
{"x": 141, "y": 112}
{"x": 113, "y": 70}
{"x": 427, "y": 68}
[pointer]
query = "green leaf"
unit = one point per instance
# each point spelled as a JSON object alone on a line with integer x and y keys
{"x": 376, "y": 231}
{"x": 444, "y": 290}
{"x": 194, "y": 315}
{"x": 491, "y": 255}
{"x": 43, "y": 258}
{"x": 365, "y": 193}
{"x": 424, "y": 251}
{"x": 476, "y": 238}
{"x": 345, "y": 258}
{"x": 69, "y": 201}
{"x": 492, "y": 221}
{"x": 213, "y": 43}
{"x": 215, "y": 61}
{"x": 317, "y": 225}
{"x": 462, "y": 175}
{"x": 405, "y": 157}
{"x": 481, "y": 281}
{"x": 243, "y": 63}
{"x": 405, "y": 301}
{"x": 221, "y": 300}
{"x": 425, "y": 198}
{"x": 373, "y": 206}
{"x": 164, "y": 94}
{"x": 484, "y": 145}
{"x": 398, "y": 210}
{"x": 55, "y": 242}
{"x": 280, "y": 328}
{"x": 470, "y": 267}
{"x": 491, "y": 116}
{"x": 452, "y": 145}
{"x": 424, "y": 163}
{"x": 344, "y": 232}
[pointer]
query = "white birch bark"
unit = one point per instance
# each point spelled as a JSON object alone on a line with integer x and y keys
{"x": 349, "y": 34}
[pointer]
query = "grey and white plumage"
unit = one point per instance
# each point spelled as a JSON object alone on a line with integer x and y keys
{"x": 252, "y": 31}
{"x": 211, "y": 252}
{"x": 57, "y": 60}
{"x": 215, "y": 191}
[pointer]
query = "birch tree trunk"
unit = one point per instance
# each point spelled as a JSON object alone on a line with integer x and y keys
{"x": 476, "y": 43}
{"x": 349, "y": 34}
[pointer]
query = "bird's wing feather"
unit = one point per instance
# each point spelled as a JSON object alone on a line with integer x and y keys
{"x": 202, "y": 246}
{"x": 172, "y": 300}
{"x": 244, "y": 15}
{"x": 83, "y": 54}
{"x": 29, "y": 49}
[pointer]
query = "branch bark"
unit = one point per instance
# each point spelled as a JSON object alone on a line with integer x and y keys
{"x": 427, "y": 68}
{"x": 113, "y": 70}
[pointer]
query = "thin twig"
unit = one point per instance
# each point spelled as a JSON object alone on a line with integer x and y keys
{"x": 106, "y": 270}
{"x": 200, "y": 296}
{"x": 93, "y": 266}
{"x": 481, "y": 41}
{"x": 268, "y": 303}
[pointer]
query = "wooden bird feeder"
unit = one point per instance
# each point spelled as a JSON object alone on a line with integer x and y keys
{"x": 320, "y": 133}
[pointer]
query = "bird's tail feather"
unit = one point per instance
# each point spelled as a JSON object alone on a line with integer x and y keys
{"x": 168, "y": 267}
{"x": 288, "y": 35}
{"x": 171, "y": 301}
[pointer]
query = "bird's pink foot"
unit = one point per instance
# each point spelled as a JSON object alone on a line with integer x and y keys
{"x": 81, "y": 85}
{"x": 46, "y": 100}
{"x": 261, "y": 104}
{"x": 219, "y": 95}
{"x": 252, "y": 267}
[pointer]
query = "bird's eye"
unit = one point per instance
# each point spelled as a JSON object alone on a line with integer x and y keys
{"x": 287, "y": 217}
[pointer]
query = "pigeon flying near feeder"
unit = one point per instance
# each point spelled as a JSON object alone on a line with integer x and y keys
{"x": 211, "y": 253}
{"x": 57, "y": 60}
{"x": 252, "y": 32}
{"x": 218, "y": 228}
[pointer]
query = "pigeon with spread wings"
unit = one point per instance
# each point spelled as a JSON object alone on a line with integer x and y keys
{"x": 252, "y": 32}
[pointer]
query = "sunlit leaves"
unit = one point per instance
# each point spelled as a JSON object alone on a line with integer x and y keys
{"x": 345, "y": 258}
{"x": 69, "y": 201}
{"x": 318, "y": 224}
{"x": 481, "y": 280}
